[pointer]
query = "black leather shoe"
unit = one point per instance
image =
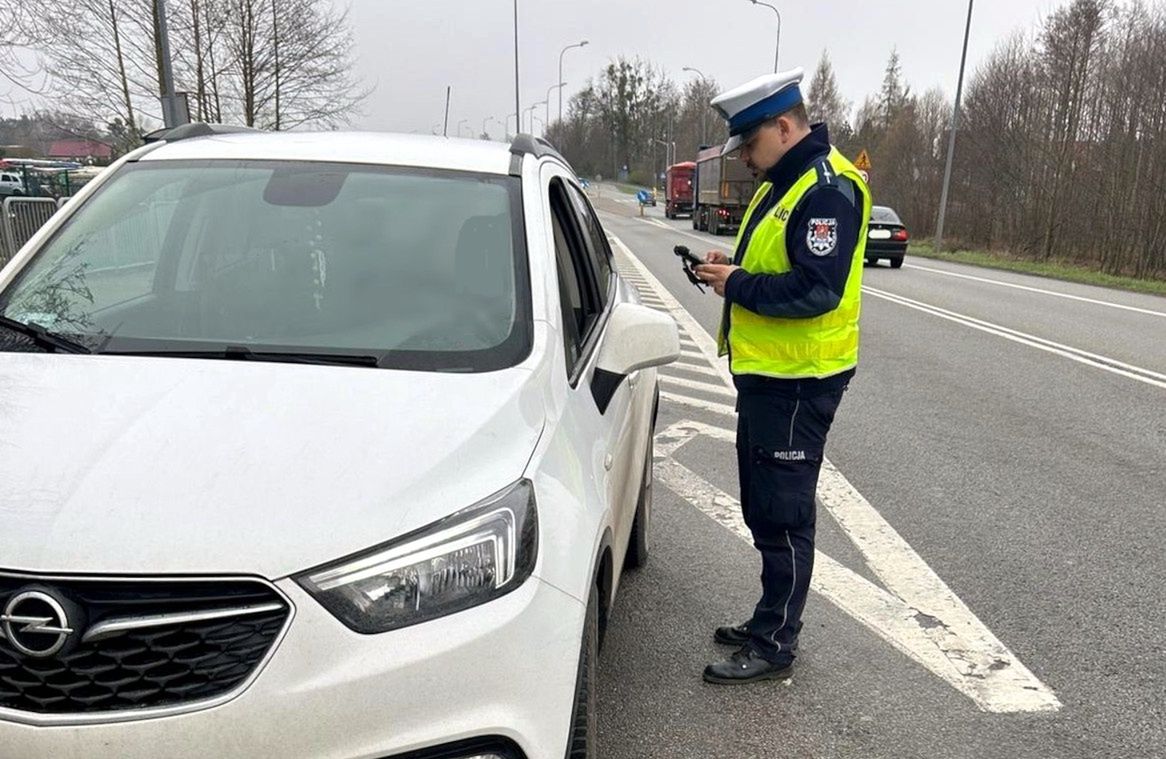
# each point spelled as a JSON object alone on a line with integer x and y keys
{"x": 739, "y": 635}
{"x": 745, "y": 666}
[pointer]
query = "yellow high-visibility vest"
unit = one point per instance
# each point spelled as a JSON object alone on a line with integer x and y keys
{"x": 820, "y": 346}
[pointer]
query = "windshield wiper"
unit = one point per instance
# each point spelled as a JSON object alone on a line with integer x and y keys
{"x": 44, "y": 338}
{"x": 243, "y": 353}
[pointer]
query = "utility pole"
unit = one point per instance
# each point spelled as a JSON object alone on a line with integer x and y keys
{"x": 172, "y": 116}
{"x": 517, "y": 105}
{"x": 445, "y": 125}
{"x": 955, "y": 120}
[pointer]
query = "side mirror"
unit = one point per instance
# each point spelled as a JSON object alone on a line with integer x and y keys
{"x": 637, "y": 337}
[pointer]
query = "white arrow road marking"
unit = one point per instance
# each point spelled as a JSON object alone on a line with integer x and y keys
{"x": 917, "y": 613}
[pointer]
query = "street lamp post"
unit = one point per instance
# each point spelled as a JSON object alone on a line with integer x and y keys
{"x": 459, "y": 126}
{"x": 506, "y": 124}
{"x": 955, "y": 120}
{"x": 484, "y": 122}
{"x": 777, "y": 48}
{"x": 517, "y": 106}
{"x": 171, "y": 117}
{"x": 560, "y": 79}
{"x": 551, "y": 89}
{"x": 667, "y": 146}
{"x": 532, "y": 116}
{"x": 703, "y": 114}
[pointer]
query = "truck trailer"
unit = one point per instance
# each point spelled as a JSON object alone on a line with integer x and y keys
{"x": 723, "y": 188}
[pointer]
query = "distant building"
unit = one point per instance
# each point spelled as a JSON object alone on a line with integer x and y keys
{"x": 81, "y": 150}
{"x": 18, "y": 151}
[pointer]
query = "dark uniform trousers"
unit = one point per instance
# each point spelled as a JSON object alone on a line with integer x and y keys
{"x": 781, "y": 438}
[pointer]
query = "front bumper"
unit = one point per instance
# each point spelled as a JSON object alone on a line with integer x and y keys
{"x": 506, "y": 669}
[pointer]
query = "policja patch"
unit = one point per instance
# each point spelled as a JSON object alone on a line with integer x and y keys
{"x": 822, "y": 238}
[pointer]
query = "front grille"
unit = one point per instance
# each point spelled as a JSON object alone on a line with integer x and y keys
{"x": 184, "y": 641}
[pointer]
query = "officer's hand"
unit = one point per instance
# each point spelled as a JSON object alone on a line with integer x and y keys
{"x": 716, "y": 275}
{"x": 716, "y": 257}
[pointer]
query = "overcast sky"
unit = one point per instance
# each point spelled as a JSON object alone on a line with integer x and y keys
{"x": 411, "y": 49}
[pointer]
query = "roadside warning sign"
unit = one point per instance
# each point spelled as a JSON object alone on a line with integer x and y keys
{"x": 863, "y": 161}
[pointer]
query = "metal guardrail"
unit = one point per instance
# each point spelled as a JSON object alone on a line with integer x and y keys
{"x": 20, "y": 220}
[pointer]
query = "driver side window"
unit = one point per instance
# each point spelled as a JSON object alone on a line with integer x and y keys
{"x": 580, "y": 295}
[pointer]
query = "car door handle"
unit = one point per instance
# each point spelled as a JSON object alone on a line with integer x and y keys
{"x": 633, "y": 378}
{"x": 608, "y": 460}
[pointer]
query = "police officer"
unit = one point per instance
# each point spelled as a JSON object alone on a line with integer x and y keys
{"x": 790, "y": 329}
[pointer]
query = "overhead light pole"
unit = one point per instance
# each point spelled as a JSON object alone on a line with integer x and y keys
{"x": 172, "y": 115}
{"x": 551, "y": 89}
{"x": 955, "y": 120}
{"x": 459, "y": 126}
{"x": 560, "y": 79}
{"x": 703, "y": 111}
{"x": 484, "y": 122}
{"x": 517, "y": 106}
{"x": 531, "y": 112}
{"x": 777, "y": 48}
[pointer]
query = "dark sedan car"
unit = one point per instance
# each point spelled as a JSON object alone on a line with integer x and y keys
{"x": 886, "y": 237}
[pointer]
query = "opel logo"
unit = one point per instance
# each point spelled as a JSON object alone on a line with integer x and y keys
{"x": 36, "y": 624}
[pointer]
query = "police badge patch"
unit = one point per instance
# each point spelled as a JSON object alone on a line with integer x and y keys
{"x": 823, "y": 236}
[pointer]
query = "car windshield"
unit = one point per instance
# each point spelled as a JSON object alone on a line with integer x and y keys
{"x": 884, "y": 215}
{"x": 421, "y": 269}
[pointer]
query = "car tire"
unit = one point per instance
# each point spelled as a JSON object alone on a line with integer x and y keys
{"x": 897, "y": 263}
{"x": 584, "y": 715}
{"x": 714, "y": 225}
{"x": 639, "y": 542}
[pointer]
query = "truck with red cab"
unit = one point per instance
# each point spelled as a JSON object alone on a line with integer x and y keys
{"x": 678, "y": 189}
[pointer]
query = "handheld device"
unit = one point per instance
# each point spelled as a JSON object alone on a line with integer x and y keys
{"x": 687, "y": 255}
{"x": 687, "y": 262}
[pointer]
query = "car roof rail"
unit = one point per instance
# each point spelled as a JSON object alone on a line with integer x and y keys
{"x": 528, "y": 144}
{"x": 193, "y": 129}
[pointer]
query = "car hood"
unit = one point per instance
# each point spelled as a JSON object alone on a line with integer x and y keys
{"x": 159, "y": 466}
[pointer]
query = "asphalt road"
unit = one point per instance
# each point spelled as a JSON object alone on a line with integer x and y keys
{"x": 1012, "y": 431}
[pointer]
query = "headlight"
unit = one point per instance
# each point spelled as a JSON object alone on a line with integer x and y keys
{"x": 464, "y": 560}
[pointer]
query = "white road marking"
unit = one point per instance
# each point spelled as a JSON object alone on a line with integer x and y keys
{"x": 691, "y": 363}
{"x": 919, "y": 616}
{"x": 700, "y": 387}
{"x": 1076, "y": 354}
{"x": 979, "y": 666}
{"x": 711, "y": 406}
{"x": 694, "y": 236}
{"x": 1042, "y": 291}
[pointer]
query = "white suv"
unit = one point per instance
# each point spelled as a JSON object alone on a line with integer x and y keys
{"x": 318, "y": 445}
{"x": 11, "y": 184}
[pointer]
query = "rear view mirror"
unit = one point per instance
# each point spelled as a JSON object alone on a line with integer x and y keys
{"x": 636, "y": 337}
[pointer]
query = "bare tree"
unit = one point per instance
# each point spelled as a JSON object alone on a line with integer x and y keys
{"x": 825, "y": 103}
